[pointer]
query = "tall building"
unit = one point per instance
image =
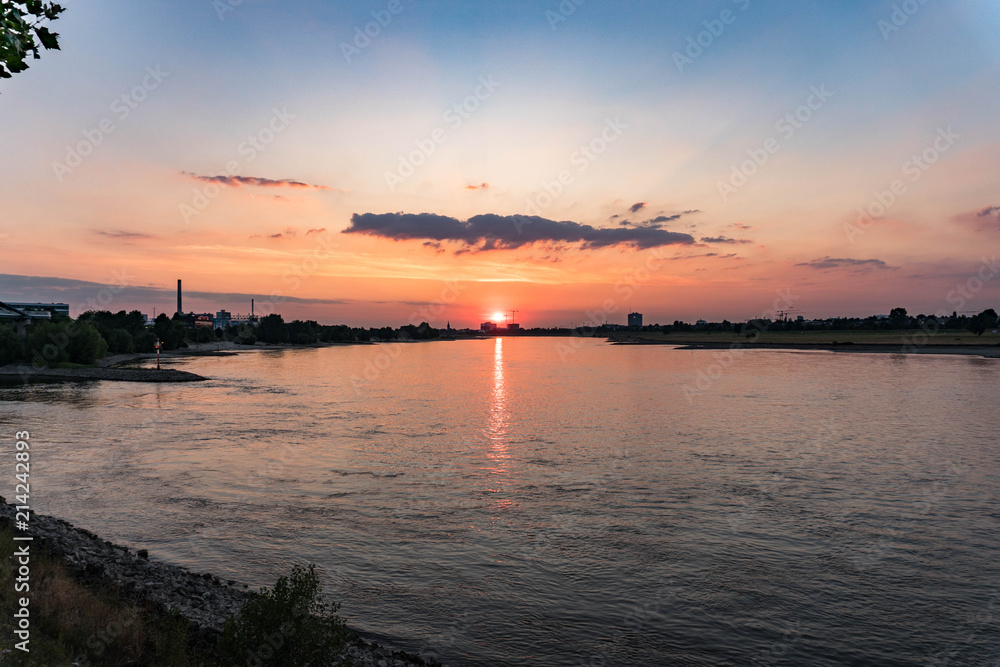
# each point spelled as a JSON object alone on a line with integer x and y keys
{"x": 635, "y": 319}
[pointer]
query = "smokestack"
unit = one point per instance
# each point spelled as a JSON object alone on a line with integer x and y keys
{"x": 251, "y": 308}
{"x": 180, "y": 311}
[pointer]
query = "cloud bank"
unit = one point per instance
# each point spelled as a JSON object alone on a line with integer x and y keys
{"x": 500, "y": 232}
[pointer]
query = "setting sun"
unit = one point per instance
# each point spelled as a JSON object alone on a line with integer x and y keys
{"x": 497, "y": 316}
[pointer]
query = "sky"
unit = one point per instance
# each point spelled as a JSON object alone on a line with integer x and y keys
{"x": 390, "y": 161}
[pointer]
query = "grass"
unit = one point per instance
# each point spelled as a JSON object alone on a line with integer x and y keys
{"x": 91, "y": 624}
{"x": 75, "y": 622}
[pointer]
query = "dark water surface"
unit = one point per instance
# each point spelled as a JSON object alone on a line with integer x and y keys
{"x": 557, "y": 502}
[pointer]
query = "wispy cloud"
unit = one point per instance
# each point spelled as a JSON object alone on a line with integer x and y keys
{"x": 316, "y": 231}
{"x": 656, "y": 222}
{"x": 121, "y": 235}
{"x": 723, "y": 239}
{"x": 839, "y": 263}
{"x": 239, "y": 181}
{"x": 498, "y": 232}
{"x": 481, "y": 186}
{"x": 989, "y": 210}
{"x": 636, "y": 207}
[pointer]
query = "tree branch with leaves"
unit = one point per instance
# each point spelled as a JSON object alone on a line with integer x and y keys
{"x": 23, "y": 33}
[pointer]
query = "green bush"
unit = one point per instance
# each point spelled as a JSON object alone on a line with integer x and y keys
{"x": 287, "y": 626}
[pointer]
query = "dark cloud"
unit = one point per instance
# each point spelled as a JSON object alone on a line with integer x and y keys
{"x": 316, "y": 231}
{"x": 723, "y": 239}
{"x": 481, "y": 186}
{"x": 654, "y": 223}
{"x": 238, "y": 181}
{"x": 498, "y": 232}
{"x": 694, "y": 210}
{"x": 989, "y": 210}
{"x": 122, "y": 235}
{"x": 835, "y": 263}
{"x": 636, "y": 207}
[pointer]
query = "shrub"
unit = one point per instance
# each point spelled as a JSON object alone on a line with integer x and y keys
{"x": 289, "y": 626}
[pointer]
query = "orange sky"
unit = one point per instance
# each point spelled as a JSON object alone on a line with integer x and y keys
{"x": 541, "y": 129}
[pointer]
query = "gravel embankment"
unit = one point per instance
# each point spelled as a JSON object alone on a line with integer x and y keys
{"x": 204, "y": 600}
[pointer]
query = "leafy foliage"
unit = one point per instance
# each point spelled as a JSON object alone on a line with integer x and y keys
{"x": 272, "y": 329}
{"x": 288, "y": 625}
{"x": 22, "y": 33}
{"x": 61, "y": 341}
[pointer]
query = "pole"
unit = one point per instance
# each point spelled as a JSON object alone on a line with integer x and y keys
{"x": 157, "y": 354}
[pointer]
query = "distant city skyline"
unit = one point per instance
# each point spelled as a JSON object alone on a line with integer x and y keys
{"x": 397, "y": 162}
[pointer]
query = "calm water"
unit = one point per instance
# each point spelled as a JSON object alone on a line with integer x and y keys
{"x": 522, "y": 502}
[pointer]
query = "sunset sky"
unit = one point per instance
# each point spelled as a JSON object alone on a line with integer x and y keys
{"x": 571, "y": 161}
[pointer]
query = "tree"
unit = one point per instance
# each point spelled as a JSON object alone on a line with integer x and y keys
{"x": 983, "y": 321}
{"x": 272, "y": 329}
{"x": 170, "y": 332}
{"x": 20, "y": 27}
{"x": 119, "y": 341}
{"x": 58, "y": 342}
{"x": 898, "y": 318}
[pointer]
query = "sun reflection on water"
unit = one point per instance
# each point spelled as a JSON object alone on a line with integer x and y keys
{"x": 498, "y": 453}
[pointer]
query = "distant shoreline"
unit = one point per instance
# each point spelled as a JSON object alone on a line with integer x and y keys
{"x": 986, "y": 350}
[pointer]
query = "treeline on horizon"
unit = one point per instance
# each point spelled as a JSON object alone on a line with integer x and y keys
{"x": 96, "y": 334}
{"x": 897, "y": 320}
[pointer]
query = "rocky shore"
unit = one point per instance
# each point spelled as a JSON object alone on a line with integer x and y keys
{"x": 204, "y": 600}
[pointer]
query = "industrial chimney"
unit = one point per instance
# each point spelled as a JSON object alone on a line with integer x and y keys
{"x": 180, "y": 311}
